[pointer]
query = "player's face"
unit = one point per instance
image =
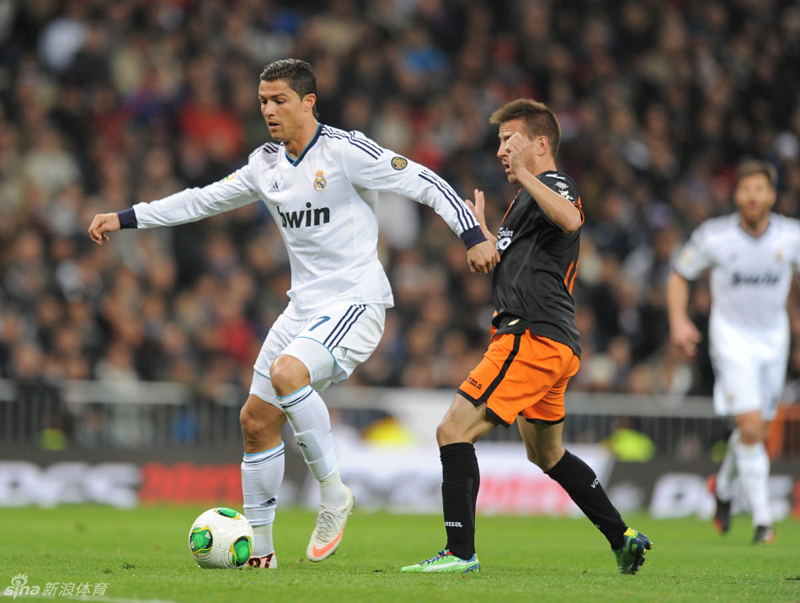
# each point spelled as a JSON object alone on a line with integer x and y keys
{"x": 507, "y": 130}
{"x": 284, "y": 111}
{"x": 754, "y": 198}
{"x": 533, "y": 152}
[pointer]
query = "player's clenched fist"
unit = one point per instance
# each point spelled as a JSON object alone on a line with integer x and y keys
{"x": 482, "y": 257}
{"x": 102, "y": 224}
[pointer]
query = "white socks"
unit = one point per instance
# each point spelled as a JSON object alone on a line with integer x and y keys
{"x": 727, "y": 471}
{"x": 262, "y": 474}
{"x": 311, "y": 424}
{"x": 752, "y": 463}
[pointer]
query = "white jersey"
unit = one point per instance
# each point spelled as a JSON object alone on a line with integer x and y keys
{"x": 750, "y": 281}
{"x": 324, "y": 204}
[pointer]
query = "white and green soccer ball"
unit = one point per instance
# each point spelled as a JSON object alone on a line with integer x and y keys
{"x": 221, "y": 538}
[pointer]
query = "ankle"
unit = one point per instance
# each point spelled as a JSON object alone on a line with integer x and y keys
{"x": 332, "y": 493}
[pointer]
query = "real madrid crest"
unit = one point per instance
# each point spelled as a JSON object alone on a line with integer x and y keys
{"x": 399, "y": 163}
{"x": 319, "y": 182}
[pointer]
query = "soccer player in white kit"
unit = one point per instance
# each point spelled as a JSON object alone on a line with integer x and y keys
{"x": 752, "y": 256}
{"x": 320, "y": 185}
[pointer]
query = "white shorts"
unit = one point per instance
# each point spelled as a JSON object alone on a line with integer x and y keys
{"x": 742, "y": 386}
{"x": 331, "y": 344}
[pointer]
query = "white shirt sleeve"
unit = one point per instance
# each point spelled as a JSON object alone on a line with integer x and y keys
{"x": 370, "y": 166}
{"x": 696, "y": 255}
{"x": 192, "y": 204}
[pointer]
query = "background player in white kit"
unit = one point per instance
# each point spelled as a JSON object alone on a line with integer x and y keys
{"x": 751, "y": 255}
{"x": 320, "y": 185}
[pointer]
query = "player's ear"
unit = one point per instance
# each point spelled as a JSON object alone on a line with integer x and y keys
{"x": 309, "y": 100}
{"x": 542, "y": 145}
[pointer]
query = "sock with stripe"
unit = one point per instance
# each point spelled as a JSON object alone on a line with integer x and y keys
{"x": 460, "y": 482}
{"x": 583, "y": 487}
{"x": 309, "y": 419}
{"x": 262, "y": 474}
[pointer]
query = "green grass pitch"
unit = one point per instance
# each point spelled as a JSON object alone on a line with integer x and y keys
{"x": 142, "y": 555}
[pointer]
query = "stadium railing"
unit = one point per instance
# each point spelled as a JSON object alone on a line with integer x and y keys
{"x": 159, "y": 414}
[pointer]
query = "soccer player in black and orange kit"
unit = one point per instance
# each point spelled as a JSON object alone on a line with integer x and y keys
{"x": 534, "y": 350}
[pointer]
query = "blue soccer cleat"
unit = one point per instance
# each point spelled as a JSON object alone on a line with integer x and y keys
{"x": 631, "y": 556}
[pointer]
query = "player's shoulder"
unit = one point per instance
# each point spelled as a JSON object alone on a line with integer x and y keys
{"x": 556, "y": 176}
{"x": 268, "y": 151}
{"x": 350, "y": 141}
{"x": 721, "y": 226}
{"x": 562, "y": 184}
{"x": 785, "y": 224}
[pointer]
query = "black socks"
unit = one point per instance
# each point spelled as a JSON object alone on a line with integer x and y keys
{"x": 583, "y": 487}
{"x": 460, "y": 482}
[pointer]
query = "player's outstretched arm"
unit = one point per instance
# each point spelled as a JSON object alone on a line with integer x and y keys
{"x": 102, "y": 224}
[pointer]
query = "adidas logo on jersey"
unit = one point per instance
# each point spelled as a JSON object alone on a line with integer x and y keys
{"x": 305, "y": 217}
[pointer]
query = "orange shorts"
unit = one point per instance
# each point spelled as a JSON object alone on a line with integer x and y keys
{"x": 522, "y": 374}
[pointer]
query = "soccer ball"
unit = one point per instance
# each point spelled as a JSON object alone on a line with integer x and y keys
{"x": 221, "y": 538}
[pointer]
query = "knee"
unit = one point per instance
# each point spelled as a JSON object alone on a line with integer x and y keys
{"x": 752, "y": 430}
{"x": 446, "y": 433}
{"x": 288, "y": 375}
{"x": 750, "y": 435}
{"x": 453, "y": 431}
{"x": 532, "y": 456}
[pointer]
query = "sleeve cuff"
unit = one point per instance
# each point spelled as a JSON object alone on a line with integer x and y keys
{"x": 473, "y": 236}
{"x": 127, "y": 218}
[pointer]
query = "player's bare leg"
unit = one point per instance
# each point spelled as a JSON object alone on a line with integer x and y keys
{"x": 463, "y": 422}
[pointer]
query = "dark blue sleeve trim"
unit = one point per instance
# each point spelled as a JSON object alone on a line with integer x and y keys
{"x": 473, "y": 236}
{"x": 127, "y": 218}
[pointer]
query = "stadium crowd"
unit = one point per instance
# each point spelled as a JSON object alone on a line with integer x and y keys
{"x": 105, "y": 104}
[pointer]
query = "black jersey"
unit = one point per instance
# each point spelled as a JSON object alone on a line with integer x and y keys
{"x": 532, "y": 284}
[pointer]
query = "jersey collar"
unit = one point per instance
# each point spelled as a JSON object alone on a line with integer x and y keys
{"x": 296, "y": 162}
{"x": 750, "y": 235}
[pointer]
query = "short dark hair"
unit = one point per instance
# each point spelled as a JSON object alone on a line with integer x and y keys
{"x": 298, "y": 74}
{"x": 538, "y": 120}
{"x": 748, "y": 167}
